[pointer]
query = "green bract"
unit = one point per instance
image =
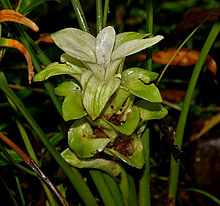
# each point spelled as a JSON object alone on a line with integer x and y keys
{"x": 102, "y": 98}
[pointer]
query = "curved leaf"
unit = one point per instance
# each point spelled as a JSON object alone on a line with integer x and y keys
{"x": 149, "y": 110}
{"x": 130, "y": 124}
{"x": 137, "y": 84}
{"x": 26, "y": 6}
{"x": 104, "y": 44}
{"x": 133, "y": 46}
{"x": 137, "y": 159}
{"x": 127, "y": 36}
{"x": 82, "y": 141}
{"x": 65, "y": 88}
{"x": 97, "y": 93}
{"x": 108, "y": 166}
{"x": 72, "y": 107}
{"x": 69, "y": 60}
{"x": 76, "y": 43}
{"x": 57, "y": 69}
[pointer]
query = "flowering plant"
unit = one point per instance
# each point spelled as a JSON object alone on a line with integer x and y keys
{"x": 110, "y": 106}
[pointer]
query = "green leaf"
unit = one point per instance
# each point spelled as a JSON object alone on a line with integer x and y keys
{"x": 82, "y": 141}
{"x": 116, "y": 102}
{"x": 97, "y": 93}
{"x": 136, "y": 81}
{"x": 57, "y": 69}
{"x": 72, "y": 107}
{"x": 133, "y": 46}
{"x": 112, "y": 68}
{"x": 149, "y": 110}
{"x": 76, "y": 43}
{"x": 65, "y": 88}
{"x": 26, "y": 6}
{"x": 130, "y": 124}
{"x": 14, "y": 155}
{"x": 108, "y": 166}
{"x": 137, "y": 159}
{"x": 65, "y": 58}
{"x": 104, "y": 45}
{"x": 127, "y": 36}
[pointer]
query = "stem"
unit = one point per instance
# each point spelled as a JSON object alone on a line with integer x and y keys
{"x": 113, "y": 187}
{"x": 103, "y": 189}
{"x": 80, "y": 15}
{"x": 38, "y": 67}
{"x": 99, "y": 15}
{"x": 20, "y": 190}
{"x": 191, "y": 34}
{"x": 174, "y": 167}
{"x": 73, "y": 174}
{"x": 144, "y": 182}
{"x": 105, "y": 13}
{"x": 149, "y": 29}
{"x": 9, "y": 191}
{"x": 133, "y": 192}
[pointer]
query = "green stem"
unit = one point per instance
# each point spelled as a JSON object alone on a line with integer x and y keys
{"x": 5, "y": 4}
{"x": 80, "y": 15}
{"x": 102, "y": 188}
{"x": 105, "y": 15}
{"x": 73, "y": 174}
{"x": 20, "y": 190}
{"x": 133, "y": 193}
{"x": 149, "y": 29}
{"x": 113, "y": 187}
{"x": 174, "y": 167}
{"x": 191, "y": 34}
{"x": 9, "y": 191}
{"x": 38, "y": 67}
{"x": 124, "y": 186}
{"x": 99, "y": 15}
{"x": 144, "y": 182}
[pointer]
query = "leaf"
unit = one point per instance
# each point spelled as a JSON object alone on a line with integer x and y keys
{"x": 104, "y": 45}
{"x": 112, "y": 68}
{"x": 57, "y": 69}
{"x": 65, "y": 58}
{"x": 82, "y": 141}
{"x": 208, "y": 124}
{"x": 127, "y": 36}
{"x": 65, "y": 88}
{"x": 185, "y": 57}
{"x": 72, "y": 107}
{"x": 76, "y": 43}
{"x": 26, "y": 6}
{"x": 98, "y": 70}
{"x": 14, "y": 155}
{"x": 16, "y": 44}
{"x": 116, "y": 102}
{"x": 96, "y": 93}
{"x": 136, "y": 159}
{"x": 149, "y": 110}
{"x": 108, "y": 166}
{"x": 133, "y": 46}
{"x": 136, "y": 81}
{"x": 11, "y": 15}
{"x": 130, "y": 124}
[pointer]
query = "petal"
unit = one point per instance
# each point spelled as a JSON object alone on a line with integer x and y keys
{"x": 104, "y": 44}
{"x": 57, "y": 69}
{"x": 72, "y": 107}
{"x": 134, "y": 46}
{"x": 81, "y": 141}
{"x": 128, "y": 36}
{"x": 97, "y": 93}
{"x": 149, "y": 110}
{"x": 65, "y": 88}
{"x": 76, "y": 43}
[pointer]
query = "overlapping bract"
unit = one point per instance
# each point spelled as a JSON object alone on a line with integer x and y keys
{"x": 108, "y": 117}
